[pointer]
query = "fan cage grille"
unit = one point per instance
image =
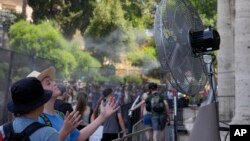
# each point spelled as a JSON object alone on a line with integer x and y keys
{"x": 174, "y": 20}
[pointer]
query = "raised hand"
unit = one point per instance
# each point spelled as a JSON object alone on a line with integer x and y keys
{"x": 71, "y": 121}
{"x": 109, "y": 108}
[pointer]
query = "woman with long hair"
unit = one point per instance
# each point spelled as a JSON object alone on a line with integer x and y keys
{"x": 83, "y": 108}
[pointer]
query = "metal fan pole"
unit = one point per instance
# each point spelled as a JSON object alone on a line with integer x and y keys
{"x": 211, "y": 98}
{"x": 202, "y": 129}
{"x": 210, "y": 72}
{"x": 175, "y": 114}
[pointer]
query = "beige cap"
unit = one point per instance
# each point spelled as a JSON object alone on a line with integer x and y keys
{"x": 49, "y": 72}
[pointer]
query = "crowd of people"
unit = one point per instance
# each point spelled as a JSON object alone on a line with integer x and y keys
{"x": 44, "y": 109}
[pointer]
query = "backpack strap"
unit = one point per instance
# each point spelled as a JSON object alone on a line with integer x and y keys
{"x": 46, "y": 119}
{"x": 60, "y": 114}
{"x": 30, "y": 129}
{"x": 8, "y": 130}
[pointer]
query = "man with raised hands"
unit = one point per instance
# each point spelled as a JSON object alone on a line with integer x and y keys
{"x": 67, "y": 126}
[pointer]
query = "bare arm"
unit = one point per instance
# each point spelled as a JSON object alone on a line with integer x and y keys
{"x": 138, "y": 105}
{"x": 166, "y": 106}
{"x": 167, "y": 111}
{"x": 106, "y": 111}
{"x": 121, "y": 123}
{"x": 93, "y": 117}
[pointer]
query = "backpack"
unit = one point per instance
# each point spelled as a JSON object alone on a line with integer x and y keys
{"x": 10, "y": 135}
{"x": 155, "y": 103}
{"x": 46, "y": 119}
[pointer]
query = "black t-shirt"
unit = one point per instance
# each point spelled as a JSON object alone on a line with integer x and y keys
{"x": 63, "y": 106}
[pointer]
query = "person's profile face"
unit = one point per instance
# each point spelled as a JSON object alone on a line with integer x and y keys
{"x": 49, "y": 84}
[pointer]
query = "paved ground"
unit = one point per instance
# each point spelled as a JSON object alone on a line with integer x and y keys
{"x": 183, "y": 129}
{"x": 188, "y": 120}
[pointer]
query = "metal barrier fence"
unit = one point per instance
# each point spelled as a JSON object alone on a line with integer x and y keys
{"x": 14, "y": 66}
{"x": 138, "y": 133}
{"x": 226, "y": 113}
{"x": 130, "y": 121}
{"x": 135, "y": 136}
{"x": 139, "y": 130}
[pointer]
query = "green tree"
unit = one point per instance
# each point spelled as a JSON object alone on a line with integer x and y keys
{"x": 108, "y": 34}
{"x": 108, "y": 17}
{"x": 85, "y": 63}
{"x": 133, "y": 79}
{"x": 70, "y": 15}
{"x": 139, "y": 14}
{"x": 33, "y": 40}
{"x": 144, "y": 57}
{"x": 64, "y": 60}
{"x": 207, "y": 10}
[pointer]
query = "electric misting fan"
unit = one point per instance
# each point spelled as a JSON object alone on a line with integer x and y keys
{"x": 185, "y": 48}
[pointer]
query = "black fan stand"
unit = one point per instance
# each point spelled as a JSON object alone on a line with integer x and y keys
{"x": 177, "y": 127}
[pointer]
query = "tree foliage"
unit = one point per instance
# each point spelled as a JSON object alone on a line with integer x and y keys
{"x": 110, "y": 29}
{"x": 133, "y": 79}
{"x": 108, "y": 34}
{"x": 139, "y": 14}
{"x": 108, "y": 16}
{"x": 144, "y": 57}
{"x": 32, "y": 40}
{"x": 64, "y": 61}
{"x": 85, "y": 62}
{"x": 207, "y": 10}
{"x": 70, "y": 15}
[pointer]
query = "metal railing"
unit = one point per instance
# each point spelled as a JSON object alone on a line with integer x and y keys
{"x": 226, "y": 110}
{"x": 135, "y": 136}
{"x": 139, "y": 130}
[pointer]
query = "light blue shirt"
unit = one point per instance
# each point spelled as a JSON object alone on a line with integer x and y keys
{"x": 57, "y": 123}
{"x": 42, "y": 134}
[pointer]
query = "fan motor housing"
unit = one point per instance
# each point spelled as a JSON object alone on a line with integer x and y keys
{"x": 204, "y": 41}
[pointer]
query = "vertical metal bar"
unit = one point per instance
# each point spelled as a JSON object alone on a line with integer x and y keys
{"x": 175, "y": 93}
{"x": 209, "y": 68}
{"x": 6, "y": 97}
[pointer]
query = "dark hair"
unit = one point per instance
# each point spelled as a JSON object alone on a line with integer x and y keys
{"x": 152, "y": 86}
{"x": 81, "y": 103}
{"x": 97, "y": 108}
{"x": 107, "y": 92}
{"x": 61, "y": 87}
